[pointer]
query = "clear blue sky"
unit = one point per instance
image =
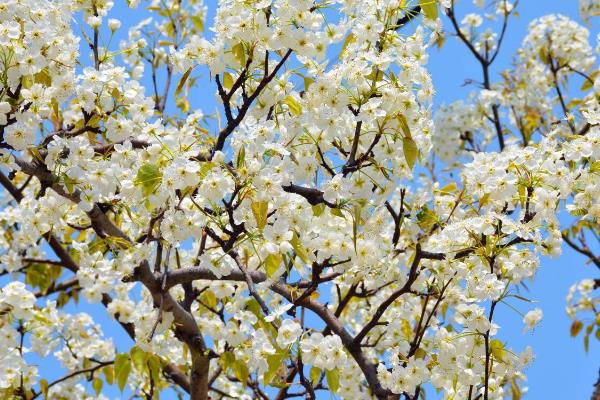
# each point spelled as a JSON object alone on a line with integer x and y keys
{"x": 562, "y": 369}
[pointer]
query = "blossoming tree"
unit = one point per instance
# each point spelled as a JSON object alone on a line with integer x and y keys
{"x": 330, "y": 230}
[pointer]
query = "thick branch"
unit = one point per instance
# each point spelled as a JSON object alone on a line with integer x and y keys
{"x": 313, "y": 196}
{"x": 100, "y": 222}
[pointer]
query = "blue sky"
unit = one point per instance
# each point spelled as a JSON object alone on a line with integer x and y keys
{"x": 562, "y": 369}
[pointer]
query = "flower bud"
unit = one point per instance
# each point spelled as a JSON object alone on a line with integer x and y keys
{"x": 114, "y": 24}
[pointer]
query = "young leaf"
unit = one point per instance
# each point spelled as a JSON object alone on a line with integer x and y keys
{"x": 498, "y": 350}
{"x": 298, "y": 248}
{"x": 226, "y": 360}
{"x": 314, "y": 374}
{"x": 426, "y": 218}
{"x": 240, "y": 370}
{"x": 239, "y": 53}
{"x": 154, "y": 365}
{"x": 260, "y": 209}
{"x": 576, "y": 327}
{"x": 348, "y": 41}
{"x": 241, "y": 158}
{"x": 148, "y": 177}
{"x": 410, "y": 151}
{"x": 404, "y": 125}
{"x": 122, "y": 369}
{"x": 515, "y": 389}
{"x": 307, "y": 82}
{"x": 294, "y": 106}
{"x": 337, "y": 212}
{"x": 227, "y": 80}
{"x": 318, "y": 209}
{"x": 97, "y": 385}
{"x": 356, "y": 223}
{"x": 272, "y": 264}
{"x": 44, "y": 387}
{"x": 429, "y": 8}
{"x": 589, "y": 83}
{"x": 139, "y": 357}
{"x": 109, "y": 374}
{"x": 209, "y": 298}
{"x": 333, "y": 379}
{"x": 274, "y": 361}
{"x": 182, "y": 81}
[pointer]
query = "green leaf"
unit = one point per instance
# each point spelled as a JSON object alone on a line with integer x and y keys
{"x": 420, "y": 353}
{"x": 122, "y": 369}
{"x": 498, "y": 350}
{"x": 516, "y": 296}
{"x": 429, "y": 8}
{"x": 298, "y": 248}
{"x": 227, "y": 80}
{"x": 307, "y": 82}
{"x": 450, "y": 188}
{"x": 348, "y": 41}
{"x": 376, "y": 75}
{"x": 272, "y": 264}
{"x": 260, "y": 210}
{"x": 139, "y": 357}
{"x": 294, "y": 106}
{"x": 405, "y": 328}
{"x": 97, "y": 385}
{"x": 38, "y": 275}
{"x": 355, "y": 223}
{"x": 589, "y": 83}
{"x": 274, "y": 361}
{"x": 209, "y": 298}
{"x": 253, "y": 306}
{"x": 241, "y": 158}
{"x": 337, "y": 212}
{"x": 182, "y": 81}
{"x": 404, "y": 125}
{"x": 333, "y": 379}
{"x": 314, "y": 375}
{"x": 148, "y": 177}
{"x": 116, "y": 241}
{"x": 198, "y": 22}
{"x": 43, "y": 77}
{"x": 155, "y": 367}
{"x": 239, "y": 53}
{"x": 576, "y": 327}
{"x": 318, "y": 209}
{"x": 515, "y": 389}
{"x": 240, "y": 370}
{"x": 595, "y": 166}
{"x": 44, "y": 387}
{"x": 522, "y": 194}
{"x": 586, "y": 338}
{"x": 226, "y": 359}
{"x": 109, "y": 374}
{"x": 410, "y": 151}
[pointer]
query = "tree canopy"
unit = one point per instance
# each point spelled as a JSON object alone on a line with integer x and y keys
{"x": 327, "y": 229}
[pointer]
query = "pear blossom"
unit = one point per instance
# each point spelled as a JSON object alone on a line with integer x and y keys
{"x": 324, "y": 224}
